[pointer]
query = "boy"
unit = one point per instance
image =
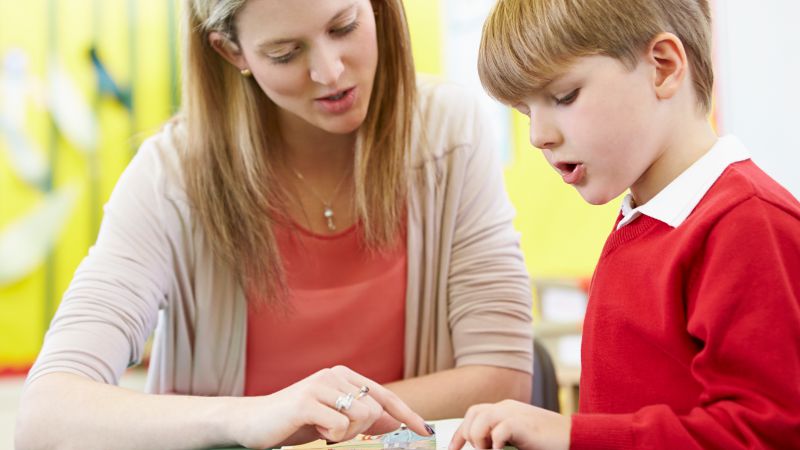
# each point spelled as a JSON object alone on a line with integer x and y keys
{"x": 692, "y": 333}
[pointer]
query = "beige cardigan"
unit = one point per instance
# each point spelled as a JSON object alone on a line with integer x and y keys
{"x": 468, "y": 297}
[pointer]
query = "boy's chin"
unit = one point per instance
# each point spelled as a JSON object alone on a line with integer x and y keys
{"x": 596, "y": 198}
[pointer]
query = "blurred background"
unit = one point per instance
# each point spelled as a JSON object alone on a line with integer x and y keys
{"x": 84, "y": 82}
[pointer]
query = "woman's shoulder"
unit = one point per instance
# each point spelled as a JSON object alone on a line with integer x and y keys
{"x": 439, "y": 99}
{"x": 158, "y": 160}
{"x": 449, "y": 117}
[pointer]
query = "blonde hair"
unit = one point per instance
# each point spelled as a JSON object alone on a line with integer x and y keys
{"x": 231, "y": 132}
{"x": 528, "y": 43}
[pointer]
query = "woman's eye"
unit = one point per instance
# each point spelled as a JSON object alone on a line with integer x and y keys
{"x": 338, "y": 32}
{"x": 284, "y": 58}
{"x": 569, "y": 98}
{"x": 347, "y": 29}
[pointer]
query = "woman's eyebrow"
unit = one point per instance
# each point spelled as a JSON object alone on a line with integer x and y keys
{"x": 343, "y": 12}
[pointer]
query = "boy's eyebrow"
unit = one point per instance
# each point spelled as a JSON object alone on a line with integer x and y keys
{"x": 344, "y": 11}
{"x": 538, "y": 89}
{"x": 563, "y": 76}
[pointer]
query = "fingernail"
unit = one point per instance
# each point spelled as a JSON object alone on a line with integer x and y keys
{"x": 429, "y": 429}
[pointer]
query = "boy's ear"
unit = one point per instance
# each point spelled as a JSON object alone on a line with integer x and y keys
{"x": 227, "y": 49}
{"x": 668, "y": 57}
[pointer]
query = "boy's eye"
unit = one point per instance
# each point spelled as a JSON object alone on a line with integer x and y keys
{"x": 567, "y": 99}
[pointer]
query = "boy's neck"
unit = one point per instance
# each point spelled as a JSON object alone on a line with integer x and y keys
{"x": 688, "y": 140}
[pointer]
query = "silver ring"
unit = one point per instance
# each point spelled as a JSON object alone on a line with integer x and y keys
{"x": 344, "y": 402}
{"x": 362, "y": 392}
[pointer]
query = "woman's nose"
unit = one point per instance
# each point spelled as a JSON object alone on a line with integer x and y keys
{"x": 326, "y": 67}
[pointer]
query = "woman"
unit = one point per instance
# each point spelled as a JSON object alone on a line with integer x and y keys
{"x": 314, "y": 206}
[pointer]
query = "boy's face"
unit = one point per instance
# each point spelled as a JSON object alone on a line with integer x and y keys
{"x": 596, "y": 125}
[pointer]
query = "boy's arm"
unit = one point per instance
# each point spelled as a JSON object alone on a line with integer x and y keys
{"x": 746, "y": 315}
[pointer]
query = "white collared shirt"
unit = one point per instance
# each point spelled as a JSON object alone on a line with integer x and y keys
{"x": 678, "y": 199}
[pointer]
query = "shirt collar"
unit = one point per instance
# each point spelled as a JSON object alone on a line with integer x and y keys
{"x": 679, "y": 198}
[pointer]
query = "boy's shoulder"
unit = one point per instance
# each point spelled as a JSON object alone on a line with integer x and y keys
{"x": 744, "y": 191}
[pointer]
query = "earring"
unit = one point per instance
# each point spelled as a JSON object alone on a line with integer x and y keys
{"x": 246, "y": 73}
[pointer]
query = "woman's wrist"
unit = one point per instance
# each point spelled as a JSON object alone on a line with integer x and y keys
{"x": 230, "y": 418}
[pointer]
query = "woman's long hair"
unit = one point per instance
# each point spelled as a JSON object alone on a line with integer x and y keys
{"x": 229, "y": 153}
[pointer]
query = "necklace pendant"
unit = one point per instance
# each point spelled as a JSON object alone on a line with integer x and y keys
{"x": 328, "y": 213}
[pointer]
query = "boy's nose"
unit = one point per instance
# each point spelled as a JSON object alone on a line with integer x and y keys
{"x": 326, "y": 67}
{"x": 543, "y": 135}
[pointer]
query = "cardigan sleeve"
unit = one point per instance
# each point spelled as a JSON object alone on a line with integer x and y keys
{"x": 112, "y": 303}
{"x": 743, "y": 309}
{"x": 488, "y": 284}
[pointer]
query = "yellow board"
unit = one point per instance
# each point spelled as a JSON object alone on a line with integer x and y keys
{"x": 135, "y": 39}
{"x": 562, "y": 235}
{"x": 132, "y": 38}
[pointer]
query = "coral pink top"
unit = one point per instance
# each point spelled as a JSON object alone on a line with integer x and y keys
{"x": 348, "y": 308}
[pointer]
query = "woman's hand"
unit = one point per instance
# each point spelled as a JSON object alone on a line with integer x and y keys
{"x": 312, "y": 402}
{"x": 510, "y": 422}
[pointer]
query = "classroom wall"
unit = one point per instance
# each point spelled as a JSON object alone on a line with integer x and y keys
{"x": 758, "y": 68}
{"x": 66, "y": 133}
{"x": 65, "y": 136}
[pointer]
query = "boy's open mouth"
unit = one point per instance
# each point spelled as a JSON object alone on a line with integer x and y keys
{"x": 566, "y": 167}
{"x": 571, "y": 172}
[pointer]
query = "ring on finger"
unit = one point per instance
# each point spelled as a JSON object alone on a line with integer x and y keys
{"x": 362, "y": 392}
{"x": 344, "y": 402}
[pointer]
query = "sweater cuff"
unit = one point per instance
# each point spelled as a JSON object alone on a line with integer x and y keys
{"x": 601, "y": 431}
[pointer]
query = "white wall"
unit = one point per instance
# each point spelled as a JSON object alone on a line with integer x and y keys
{"x": 758, "y": 82}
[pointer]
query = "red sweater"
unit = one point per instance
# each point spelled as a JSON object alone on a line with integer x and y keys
{"x": 692, "y": 334}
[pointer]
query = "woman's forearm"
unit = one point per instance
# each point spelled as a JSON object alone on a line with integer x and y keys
{"x": 62, "y": 410}
{"x": 450, "y": 393}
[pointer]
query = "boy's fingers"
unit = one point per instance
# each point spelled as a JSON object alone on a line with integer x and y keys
{"x": 458, "y": 439}
{"x": 470, "y": 426}
{"x": 501, "y": 434}
{"x": 481, "y": 429}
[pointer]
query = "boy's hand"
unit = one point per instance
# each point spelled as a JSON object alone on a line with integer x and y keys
{"x": 510, "y": 422}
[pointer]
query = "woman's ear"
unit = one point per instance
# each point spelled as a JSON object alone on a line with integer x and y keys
{"x": 668, "y": 57}
{"x": 227, "y": 49}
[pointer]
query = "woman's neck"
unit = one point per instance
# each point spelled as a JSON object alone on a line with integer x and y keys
{"x": 315, "y": 152}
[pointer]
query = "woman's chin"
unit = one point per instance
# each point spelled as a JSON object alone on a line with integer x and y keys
{"x": 343, "y": 127}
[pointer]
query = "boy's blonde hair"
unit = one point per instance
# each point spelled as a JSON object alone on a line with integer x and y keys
{"x": 232, "y": 138}
{"x": 528, "y": 43}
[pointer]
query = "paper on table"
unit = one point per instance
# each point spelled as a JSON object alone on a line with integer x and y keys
{"x": 445, "y": 429}
{"x": 402, "y": 438}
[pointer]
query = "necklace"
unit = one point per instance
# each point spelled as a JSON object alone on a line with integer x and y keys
{"x": 327, "y": 210}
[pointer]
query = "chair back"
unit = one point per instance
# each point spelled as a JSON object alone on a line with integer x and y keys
{"x": 545, "y": 384}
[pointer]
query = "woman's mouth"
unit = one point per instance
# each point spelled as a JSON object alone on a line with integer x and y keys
{"x": 338, "y": 102}
{"x": 571, "y": 172}
{"x": 336, "y": 96}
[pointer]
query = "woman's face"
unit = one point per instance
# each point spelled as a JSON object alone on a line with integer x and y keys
{"x": 316, "y": 59}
